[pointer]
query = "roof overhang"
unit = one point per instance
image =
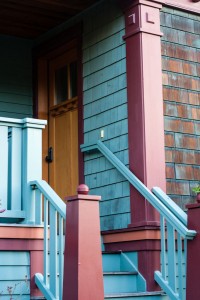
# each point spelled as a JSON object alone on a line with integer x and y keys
{"x": 31, "y": 18}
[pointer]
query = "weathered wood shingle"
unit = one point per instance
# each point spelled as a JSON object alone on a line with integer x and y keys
{"x": 105, "y": 108}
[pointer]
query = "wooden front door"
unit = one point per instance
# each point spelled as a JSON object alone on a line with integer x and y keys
{"x": 62, "y": 156}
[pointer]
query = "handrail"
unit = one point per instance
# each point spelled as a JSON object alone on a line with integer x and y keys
{"x": 169, "y": 203}
{"x": 51, "y": 195}
{"x": 174, "y": 231}
{"x": 52, "y": 215}
{"x": 162, "y": 209}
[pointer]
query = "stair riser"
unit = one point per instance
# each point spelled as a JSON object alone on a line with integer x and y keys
{"x": 115, "y": 262}
{"x": 114, "y": 284}
{"x": 111, "y": 262}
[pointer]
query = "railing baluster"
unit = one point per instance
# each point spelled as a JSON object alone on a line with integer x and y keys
{"x": 15, "y": 168}
{"x": 45, "y": 240}
{"x": 4, "y": 166}
{"x": 180, "y": 266}
{"x": 163, "y": 247}
{"x": 171, "y": 256}
{"x": 185, "y": 262}
{"x": 61, "y": 258}
{"x": 53, "y": 250}
{"x": 38, "y": 207}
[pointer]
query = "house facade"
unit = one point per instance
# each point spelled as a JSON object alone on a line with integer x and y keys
{"x": 122, "y": 72}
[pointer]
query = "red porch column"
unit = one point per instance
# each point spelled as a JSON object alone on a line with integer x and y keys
{"x": 145, "y": 105}
{"x": 83, "y": 275}
{"x": 193, "y": 254}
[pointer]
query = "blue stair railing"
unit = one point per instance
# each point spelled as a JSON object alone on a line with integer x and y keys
{"x": 174, "y": 231}
{"x": 50, "y": 211}
{"x": 172, "y": 277}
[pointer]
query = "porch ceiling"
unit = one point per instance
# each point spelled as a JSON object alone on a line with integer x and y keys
{"x": 31, "y": 18}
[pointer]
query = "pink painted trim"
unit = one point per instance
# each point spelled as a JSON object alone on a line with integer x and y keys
{"x": 143, "y": 245}
{"x": 132, "y": 236}
{"x": 154, "y": 3}
{"x": 16, "y": 232}
{"x": 21, "y": 245}
{"x": 127, "y": 4}
{"x": 83, "y": 197}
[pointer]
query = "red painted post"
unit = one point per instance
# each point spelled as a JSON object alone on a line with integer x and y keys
{"x": 193, "y": 254}
{"x": 145, "y": 105}
{"x": 145, "y": 118}
{"x": 83, "y": 275}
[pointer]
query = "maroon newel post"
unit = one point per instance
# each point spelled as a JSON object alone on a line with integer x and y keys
{"x": 193, "y": 254}
{"x": 83, "y": 275}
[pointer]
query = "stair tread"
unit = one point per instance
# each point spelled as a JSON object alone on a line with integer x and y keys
{"x": 119, "y": 295}
{"x": 120, "y": 273}
{"x": 112, "y": 252}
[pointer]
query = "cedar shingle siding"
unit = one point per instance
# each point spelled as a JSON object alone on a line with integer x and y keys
{"x": 105, "y": 108}
{"x": 181, "y": 92}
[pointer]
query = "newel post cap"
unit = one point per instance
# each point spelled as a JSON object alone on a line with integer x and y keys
{"x": 83, "y": 189}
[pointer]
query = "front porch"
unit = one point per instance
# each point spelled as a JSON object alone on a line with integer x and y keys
{"x": 94, "y": 70}
{"x": 32, "y": 224}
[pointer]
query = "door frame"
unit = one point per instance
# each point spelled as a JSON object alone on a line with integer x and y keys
{"x": 53, "y": 47}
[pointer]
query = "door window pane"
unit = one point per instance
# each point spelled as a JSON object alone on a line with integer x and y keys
{"x": 73, "y": 79}
{"x": 61, "y": 84}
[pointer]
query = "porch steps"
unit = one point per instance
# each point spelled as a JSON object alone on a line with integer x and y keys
{"x": 122, "y": 281}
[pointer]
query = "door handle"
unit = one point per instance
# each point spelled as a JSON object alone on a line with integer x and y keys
{"x": 49, "y": 157}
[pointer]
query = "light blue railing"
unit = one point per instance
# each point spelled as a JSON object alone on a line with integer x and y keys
{"x": 50, "y": 211}
{"x": 172, "y": 277}
{"x": 174, "y": 231}
{"x": 20, "y": 162}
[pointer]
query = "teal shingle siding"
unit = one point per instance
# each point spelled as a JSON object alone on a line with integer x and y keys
{"x": 105, "y": 108}
{"x": 181, "y": 92}
{"x": 14, "y": 275}
{"x": 15, "y": 77}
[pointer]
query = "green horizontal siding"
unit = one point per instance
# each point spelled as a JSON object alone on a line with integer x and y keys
{"x": 118, "y": 221}
{"x": 114, "y": 206}
{"x": 15, "y": 77}
{"x": 114, "y": 85}
{"x": 106, "y": 59}
{"x": 105, "y": 108}
{"x": 14, "y": 275}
